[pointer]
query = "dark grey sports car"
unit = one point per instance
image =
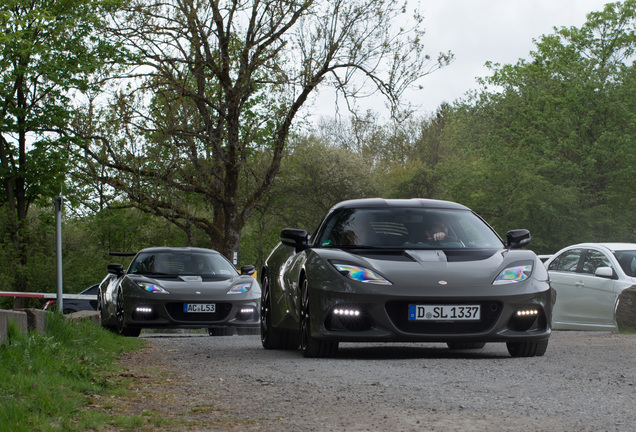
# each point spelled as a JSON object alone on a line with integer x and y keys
{"x": 414, "y": 270}
{"x": 179, "y": 288}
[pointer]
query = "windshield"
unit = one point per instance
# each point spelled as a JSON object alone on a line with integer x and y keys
{"x": 407, "y": 228}
{"x": 169, "y": 263}
{"x": 627, "y": 260}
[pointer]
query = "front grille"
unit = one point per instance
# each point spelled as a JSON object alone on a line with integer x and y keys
{"x": 398, "y": 312}
{"x": 175, "y": 310}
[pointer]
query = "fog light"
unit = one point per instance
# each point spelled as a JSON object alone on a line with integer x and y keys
{"x": 348, "y": 318}
{"x": 529, "y": 312}
{"x": 246, "y": 314}
{"x": 527, "y": 320}
{"x": 141, "y": 309}
{"x": 346, "y": 312}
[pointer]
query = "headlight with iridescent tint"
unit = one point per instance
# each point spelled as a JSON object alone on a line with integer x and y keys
{"x": 513, "y": 274}
{"x": 240, "y": 288}
{"x": 361, "y": 274}
{"x": 152, "y": 288}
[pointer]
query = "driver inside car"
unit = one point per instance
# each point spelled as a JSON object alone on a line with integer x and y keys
{"x": 436, "y": 232}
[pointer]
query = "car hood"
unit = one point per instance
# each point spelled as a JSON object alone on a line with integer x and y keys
{"x": 432, "y": 267}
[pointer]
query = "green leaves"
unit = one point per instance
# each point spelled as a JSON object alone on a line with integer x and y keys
{"x": 50, "y": 52}
{"x": 554, "y": 143}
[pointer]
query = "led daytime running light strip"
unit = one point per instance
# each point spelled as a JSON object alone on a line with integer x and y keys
{"x": 527, "y": 312}
{"x": 346, "y": 312}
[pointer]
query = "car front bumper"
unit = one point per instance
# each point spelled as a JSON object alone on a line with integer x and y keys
{"x": 379, "y": 314}
{"x": 142, "y": 311}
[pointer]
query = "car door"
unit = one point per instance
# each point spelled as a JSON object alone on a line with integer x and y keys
{"x": 564, "y": 278}
{"x": 596, "y": 295}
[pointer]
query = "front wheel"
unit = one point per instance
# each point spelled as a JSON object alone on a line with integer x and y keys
{"x": 310, "y": 346}
{"x": 527, "y": 349}
{"x": 271, "y": 337}
{"x": 122, "y": 328}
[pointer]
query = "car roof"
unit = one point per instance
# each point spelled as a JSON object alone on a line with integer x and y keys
{"x": 399, "y": 203}
{"x": 177, "y": 250}
{"x": 610, "y": 246}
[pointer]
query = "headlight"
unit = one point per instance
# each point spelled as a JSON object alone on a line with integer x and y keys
{"x": 240, "y": 288}
{"x": 513, "y": 274}
{"x": 152, "y": 288}
{"x": 361, "y": 274}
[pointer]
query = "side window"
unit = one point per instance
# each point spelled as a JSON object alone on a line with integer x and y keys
{"x": 593, "y": 260}
{"x": 567, "y": 261}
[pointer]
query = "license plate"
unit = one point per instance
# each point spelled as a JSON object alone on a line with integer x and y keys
{"x": 199, "y": 307}
{"x": 444, "y": 312}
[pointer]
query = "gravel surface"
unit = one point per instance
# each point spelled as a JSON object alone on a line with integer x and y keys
{"x": 586, "y": 381}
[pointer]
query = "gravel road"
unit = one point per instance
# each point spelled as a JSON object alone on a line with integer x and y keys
{"x": 585, "y": 382}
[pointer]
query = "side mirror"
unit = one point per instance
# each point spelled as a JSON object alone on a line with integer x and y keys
{"x": 116, "y": 269}
{"x": 248, "y": 270}
{"x": 295, "y": 238}
{"x": 517, "y": 238}
{"x": 604, "y": 272}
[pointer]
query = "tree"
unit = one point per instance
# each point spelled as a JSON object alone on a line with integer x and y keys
{"x": 551, "y": 147}
{"x": 313, "y": 177}
{"x": 48, "y": 49}
{"x": 418, "y": 175}
{"x": 218, "y": 86}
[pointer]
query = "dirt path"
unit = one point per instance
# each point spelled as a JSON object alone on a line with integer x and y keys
{"x": 585, "y": 382}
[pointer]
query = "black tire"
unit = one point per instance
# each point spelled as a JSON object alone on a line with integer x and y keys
{"x": 122, "y": 328}
{"x": 221, "y": 331}
{"x": 271, "y": 337}
{"x": 311, "y": 347}
{"x": 527, "y": 349}
{"x": 465, "y": 345}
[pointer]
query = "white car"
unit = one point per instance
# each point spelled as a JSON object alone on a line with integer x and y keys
{"x": 588, "y": 279}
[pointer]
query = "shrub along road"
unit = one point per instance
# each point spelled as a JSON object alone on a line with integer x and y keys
{"x": 585, "y": 382}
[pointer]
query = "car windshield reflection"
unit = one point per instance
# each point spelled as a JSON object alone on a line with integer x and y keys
{"x": 407, "y": 228}
{"x": 170, "y": 264}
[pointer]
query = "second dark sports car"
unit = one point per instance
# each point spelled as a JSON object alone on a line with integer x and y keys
{"x": 179, "y": 288}
{"x": 415, "y": 270}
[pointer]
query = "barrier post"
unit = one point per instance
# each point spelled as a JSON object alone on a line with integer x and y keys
{"x": 58, "y": 243}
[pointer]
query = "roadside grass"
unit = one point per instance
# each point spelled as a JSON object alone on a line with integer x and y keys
{"x": 49, "y": 382}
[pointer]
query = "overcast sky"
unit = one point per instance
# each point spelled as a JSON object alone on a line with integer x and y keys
{"x": 477, "y": 31}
